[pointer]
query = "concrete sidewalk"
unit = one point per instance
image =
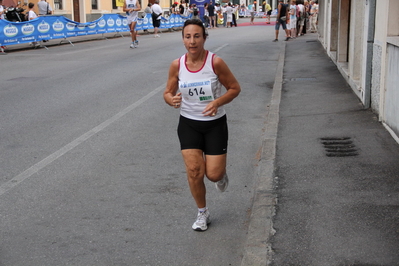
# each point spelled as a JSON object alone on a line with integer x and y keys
{"x": 337, "y": 169}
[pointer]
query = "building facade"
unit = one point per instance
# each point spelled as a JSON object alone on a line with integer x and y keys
{"x": 362, "y": 39}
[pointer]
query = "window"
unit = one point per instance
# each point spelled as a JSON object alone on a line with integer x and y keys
{"x": 58, "y": 4}
{"x": 94, "y": 4}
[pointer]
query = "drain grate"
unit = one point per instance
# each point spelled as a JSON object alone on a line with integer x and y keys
{"x": 339, "y": 146}
{"x": 303, "y": 79}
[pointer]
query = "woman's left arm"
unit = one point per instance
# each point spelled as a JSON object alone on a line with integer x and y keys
{"x": 228, "y": 80}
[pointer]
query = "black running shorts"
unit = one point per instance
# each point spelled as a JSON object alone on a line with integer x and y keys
{"x": 209, "y": 136}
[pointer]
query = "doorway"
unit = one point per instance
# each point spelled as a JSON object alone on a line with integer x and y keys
{"x": 76, "y": 11}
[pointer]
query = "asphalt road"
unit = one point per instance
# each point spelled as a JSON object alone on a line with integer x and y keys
{"x": 90, "y": 168}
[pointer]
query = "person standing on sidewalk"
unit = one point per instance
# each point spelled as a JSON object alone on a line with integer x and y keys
{"x": 293, "y": 17}
{"x": 314, "y": 10}
{"x": 229, "y": 15}
{"x": 199, "y": 76}
{"x": 281, "y": 19}
{"x": 301, "y": 18}
{"x": 2, "y": 48}
{"x": 44, "y": 8}
{"x": 252, "y": 10}
{"x": 132, "y": 8}
{"x": 1, "y": 10}
{"x": 156, "y": 17}
{"x": 268, "y": 12}
{"x": 206, "y": 16}
{"x": 211, "y": 10}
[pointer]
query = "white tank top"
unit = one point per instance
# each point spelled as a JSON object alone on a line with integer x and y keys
{"x": 131, "y": 4}
{"x": 199, "y": 88}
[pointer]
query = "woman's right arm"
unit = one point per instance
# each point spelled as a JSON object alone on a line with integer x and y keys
{"x": 169, "y": 94}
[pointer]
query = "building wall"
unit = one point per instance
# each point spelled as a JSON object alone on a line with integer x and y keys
{"x": 366, "y": 51}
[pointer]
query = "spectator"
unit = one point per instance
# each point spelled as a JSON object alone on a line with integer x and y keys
{"x": 268, "y": 12}
{"x": 282, "y": 14}
{"x": 211, "y": 10}
{"x": 301, "y": 18}
{"x": 2, "y": 17}
{"x": 156, "y": 17}
{"x": 147, "y": 11}
{"x": 314, "y": 10}
{"x": 234, "y": 21}
{"x": 44, "y": 8}
{"x": 219, "y": 19}
{"x": 229, "y": 14}
{"x": 206, "y": 16}
{"x": 195, "y": 11}
{"x": 224, "y": 13}
{"x": 32, "y": 15}
{"x": 293, "y": 19}
{"x": 252, "y": 9}
{"x": 1, "y": 10}
{"x": 181, "y": 8}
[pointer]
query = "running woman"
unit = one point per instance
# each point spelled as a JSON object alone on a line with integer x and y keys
{"x": 195, "y": 86}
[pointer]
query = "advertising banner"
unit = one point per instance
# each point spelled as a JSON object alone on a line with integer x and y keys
{"x": 57, "y": 27}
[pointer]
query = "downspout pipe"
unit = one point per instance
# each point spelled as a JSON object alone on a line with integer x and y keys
{"x": 369, "y": 60}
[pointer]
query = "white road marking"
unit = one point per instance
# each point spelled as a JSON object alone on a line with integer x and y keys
{"x": 52, "y": 157}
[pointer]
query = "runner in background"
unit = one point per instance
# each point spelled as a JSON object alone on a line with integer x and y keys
{"x": 132, "y": 8}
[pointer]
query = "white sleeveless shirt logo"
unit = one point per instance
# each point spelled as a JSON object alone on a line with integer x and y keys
{"x": 198, "y": 89}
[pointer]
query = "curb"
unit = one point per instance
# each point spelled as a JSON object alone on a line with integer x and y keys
{"x": 257, "y": 250}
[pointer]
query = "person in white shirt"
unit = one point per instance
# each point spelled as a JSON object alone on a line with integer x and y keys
{"x": 293, "y": 18}
{"x": 195, "y": 85}
{"x": 314, "y": 10}
{"x": 132, "y": 8}
{"x": 32, "y": 15}
{"x": 301, "y": 19}
{"x": 44, "y": 8}
{"x": 156, "y": 17}
{"x": 1, "y": 10}
{"x": 229, "y": 14}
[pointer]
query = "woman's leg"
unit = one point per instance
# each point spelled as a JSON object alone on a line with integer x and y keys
{"x": 215, "y": 167}
{"x": 133, "y": 31}
{"x": 195, "y": 167}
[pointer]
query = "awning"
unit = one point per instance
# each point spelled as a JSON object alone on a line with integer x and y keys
{"x": 8, "y": 3}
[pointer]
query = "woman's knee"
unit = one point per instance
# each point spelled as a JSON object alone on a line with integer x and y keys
{"x": 215, "y": 176}
{"x": 195, "y": 172}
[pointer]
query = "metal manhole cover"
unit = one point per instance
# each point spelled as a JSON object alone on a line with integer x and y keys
{"x": 339, "y": 146}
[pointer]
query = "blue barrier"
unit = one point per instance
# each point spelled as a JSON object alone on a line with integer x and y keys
{"x": 60, "y": 27}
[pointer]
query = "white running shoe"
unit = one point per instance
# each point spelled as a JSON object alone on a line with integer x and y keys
{"x": 132, "y": 46}
{"x": 136, "y": 43}
{"x": 203, "y": 219}
{"x": 222, "y": 184}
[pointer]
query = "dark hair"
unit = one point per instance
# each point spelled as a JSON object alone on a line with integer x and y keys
{"x": 197, "y": 22}
{"x": 30, "y": 5}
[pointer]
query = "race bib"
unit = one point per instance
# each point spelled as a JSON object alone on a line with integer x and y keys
{"x": 196, "y": 91}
